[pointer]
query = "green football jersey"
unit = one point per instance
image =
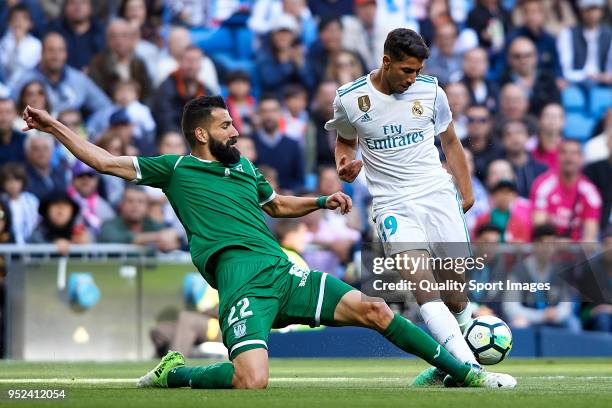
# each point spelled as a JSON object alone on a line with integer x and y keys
{"x": 219, "y": 206}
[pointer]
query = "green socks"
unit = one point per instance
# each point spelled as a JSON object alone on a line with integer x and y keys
{"x": 410, "y": 338}
{"x": 217, "y": 375}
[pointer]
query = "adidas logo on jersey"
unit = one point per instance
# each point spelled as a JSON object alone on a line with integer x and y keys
{"x": 365, "y": 118}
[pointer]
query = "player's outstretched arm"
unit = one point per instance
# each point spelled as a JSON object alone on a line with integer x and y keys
{"x": 455, "y": 157}
{"x": 88, "y": 153}
{"x": 291, "y": 206}
{"x": 348, "y": 168}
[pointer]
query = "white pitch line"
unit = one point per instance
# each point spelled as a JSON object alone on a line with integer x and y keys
{"x": 134, "y": 380}
{"x": 349, "y": 380}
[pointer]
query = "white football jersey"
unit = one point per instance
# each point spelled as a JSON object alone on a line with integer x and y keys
{"x": 396, "y": 134}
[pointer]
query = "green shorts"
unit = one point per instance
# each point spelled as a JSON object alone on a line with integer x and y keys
{"x": 258, "y": 292}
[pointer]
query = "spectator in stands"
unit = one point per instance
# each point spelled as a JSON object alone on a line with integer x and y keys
{"x": 513, "y": 105}
{"x": 485, "y": 246}
{"x": 481, "y": 197}
{"x": 329, "y": 43}
{"x": 265, "y": 12}
{"x": 596, "y": 288}
{"x": 67, "y": 87}
{"x": 42, "y": 177}
{"x": 344, "y": 67}
{"x": 514, "y": 140}
{"x": 552, "y": 122}
{"x": 559, "y": 14}
{"x": 169, "y": 60}
{"x": 566, "y": 198}
{"x": 125, "y": 96}
{"x": 475, "y": 67}
{"x": 282, "y": 60}
{"x": 295, "y": 114}
{"x": 365, "y": 34}
{"x": 240, "y": 101}
{"x": 246, "y": 147}
{"x": 84, "y": 35}
{"x": 178, "y": 89}
{"x": 540, "y": 308}
{"x": 498, "y": 170}
{"x": 172, "y": 143}
{"x": 160, "y": 209}
{"x": 74, "y": 120}
{"x": 34, "y": 94}
{"x": 585, "y": 50}
{"x": 137, "y": 14}
{"x": 524, "y": 71}
{"x": 291, "y": 236}
{"x": 134, "y": 226}
{"x": 19, "y": 50}
{"x": 597, "y": 147}
{"x": 444, "y": 59}
{"x": 331, "y": 238}
{"x": 491, "y": 22}
{"x": 320, "y": 142}
{"x": 23, "y": 205}
{"x": 5, "y": 238}
{"x": 458, "y": 101}
{"x": 121, "y": 124}
{"x": 11, "y": 140}
{"x": 93, "y": 209}
{"x": 600, "y": 174}
{"x": 59, "y": 223}
{"x": 484, "y": 148}
{"x": 509, "y": 212}
{"x": 277, "y": 150}
{"x": 330, "y": 8}
{"x": 534, "y": 17}
{"x": 118, "y": 61}
{"x": 112, "y": 187}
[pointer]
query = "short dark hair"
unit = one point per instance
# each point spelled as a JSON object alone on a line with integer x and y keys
{"x": 544, "y": 230}
{"x": 405, "y": 41}
{"x": 327, "y": 21}
{"x": 19, "y": 8}
{"x": 292, "y": 90}
{"x": 13, "y": 170}
{"x": 238, "y": 75}
{"x": 284, "y": 226}
{"x": 197, "y": 112}
{"x": 488, "y": 227}
{"x": 268, "y": 97}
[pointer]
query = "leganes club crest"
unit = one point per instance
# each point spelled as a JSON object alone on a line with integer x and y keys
{"x": 364, "y": 103}
{"x": 240, "y": 329}
{"x": 417, "y": 108}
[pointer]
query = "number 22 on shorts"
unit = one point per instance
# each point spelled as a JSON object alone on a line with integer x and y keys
{"x": 388, "y": 226}
{"x": 242, "y": 304}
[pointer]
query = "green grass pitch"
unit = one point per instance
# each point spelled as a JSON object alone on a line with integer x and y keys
{"x": 316, "y": 383}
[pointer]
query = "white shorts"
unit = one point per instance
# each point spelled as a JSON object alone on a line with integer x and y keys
{"x": 434, "y": 223}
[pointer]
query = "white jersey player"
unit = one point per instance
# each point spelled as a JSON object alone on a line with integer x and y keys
{"x": 395, "y": 114}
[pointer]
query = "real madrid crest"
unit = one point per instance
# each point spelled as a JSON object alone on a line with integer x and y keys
{"x": 364, "y": 103}
{"x": 417, "y": 108}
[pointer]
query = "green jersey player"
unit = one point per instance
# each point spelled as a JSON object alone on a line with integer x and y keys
{"x": 219, "y": 196}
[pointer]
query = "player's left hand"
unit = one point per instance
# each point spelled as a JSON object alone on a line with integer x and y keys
{"x": 467, "y": 203}
{"x": 341, "y": 200}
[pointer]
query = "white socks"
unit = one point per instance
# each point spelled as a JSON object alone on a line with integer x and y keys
{"x": 445, "y": 330}
{"x": 464, "y": 318}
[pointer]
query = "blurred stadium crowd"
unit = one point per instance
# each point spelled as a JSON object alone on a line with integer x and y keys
{"x": 529, "y": 84}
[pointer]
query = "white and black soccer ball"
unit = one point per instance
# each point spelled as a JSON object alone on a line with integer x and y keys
{"x": 490, "y": 339}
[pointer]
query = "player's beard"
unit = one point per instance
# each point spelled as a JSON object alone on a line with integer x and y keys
{"x": 224, "y": 152}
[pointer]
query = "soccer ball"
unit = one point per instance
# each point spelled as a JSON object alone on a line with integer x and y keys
{"x": 490, "y": 339}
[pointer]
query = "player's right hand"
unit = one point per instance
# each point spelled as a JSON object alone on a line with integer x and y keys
{"x": 348, "y": 171}
{"x": 37, "y": 119}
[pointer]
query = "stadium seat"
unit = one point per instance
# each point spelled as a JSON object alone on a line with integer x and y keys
{"x": 578, "y": 126}
{"x": 213, "y": 40}
{"x": 573, "y": 99}
{"x": 600, "y": 100}
{"x": 244, "y": 43}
